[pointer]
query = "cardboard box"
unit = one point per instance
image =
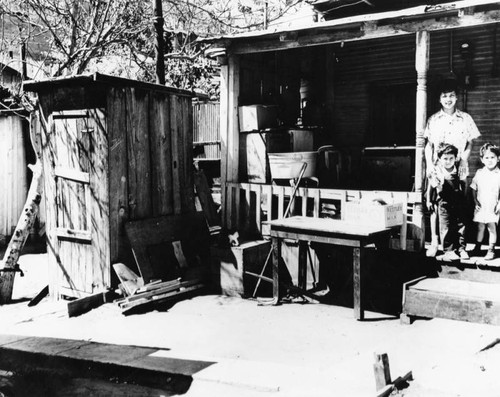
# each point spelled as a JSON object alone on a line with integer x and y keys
{"x": 373, "y": 214}
{"x": 257, "y": 117}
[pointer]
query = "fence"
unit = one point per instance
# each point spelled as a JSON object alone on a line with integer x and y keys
{"x": 206, "y": 131}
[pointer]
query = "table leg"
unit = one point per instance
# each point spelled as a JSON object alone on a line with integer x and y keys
{"x": 302, "y": 276}
{"x": 276, "y": 247}
{"x": 357, "y": 258}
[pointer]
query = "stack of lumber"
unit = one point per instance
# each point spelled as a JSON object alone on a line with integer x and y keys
{"x": 157, "y": 292}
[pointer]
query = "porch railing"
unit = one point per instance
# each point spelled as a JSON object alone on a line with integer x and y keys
{"x": 247, "y": 206}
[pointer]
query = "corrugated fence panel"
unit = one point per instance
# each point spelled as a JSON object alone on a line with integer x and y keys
{"x": 206, "y": 132}
{"x": 13, "y": 175}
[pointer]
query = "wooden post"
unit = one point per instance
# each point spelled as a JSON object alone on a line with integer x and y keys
{"x": 224, "y": 94}
{"x": 422, "y": 67}
{"x": 230, "y": 87}
{"x": 382, "y": 370}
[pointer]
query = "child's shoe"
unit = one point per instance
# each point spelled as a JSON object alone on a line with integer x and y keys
{"x": 490, "y": 254}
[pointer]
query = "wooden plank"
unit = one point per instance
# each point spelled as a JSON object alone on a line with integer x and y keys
{"x": 456, "y": 307}
{"x": 139, "y": 160}
{"x": 237, "y": 207}
{"x": 130, "y": 281}
{"x": 158, "y": 284}
{"x": 205, "y": 196}
{"x": 187, "y": 146}
{"x": 303, "y": 193}
{"x": 276, "y": 255}
{"x": 176, "y": 155}
{"x": 46, "y": 137}
{"x": 80, "y": 306}
{"x": 37, "y": 299}
{"x": 258, "y": 207}
{"x": 99, "y": 254}
{"x": 169, "y": 296}
{"x": 73, "y": 234}
{"x": 118, "y": 172}
{"x": 161, "y": 155}
{"x": 175, "y": 285}
{"x": 281, "y": 201}
{"x": 357, "y": 258}
{"x": 72, "y": 174}
{"x": 302, "y": 276}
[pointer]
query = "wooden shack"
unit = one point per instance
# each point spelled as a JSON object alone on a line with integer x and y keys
{"x": 364, "y": 81}
{"x": 364, "y": 85}
{"x": 113, "y": 150}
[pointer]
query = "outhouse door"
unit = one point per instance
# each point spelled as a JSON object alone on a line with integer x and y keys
{"x": 81, "y": 215}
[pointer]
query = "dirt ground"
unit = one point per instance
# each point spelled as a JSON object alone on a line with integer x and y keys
{"x": 289, "y": 350}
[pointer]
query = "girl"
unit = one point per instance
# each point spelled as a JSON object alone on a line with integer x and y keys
{"x": 486, "y": 193}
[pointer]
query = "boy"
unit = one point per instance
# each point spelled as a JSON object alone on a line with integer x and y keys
{"x": 445, "y": 198}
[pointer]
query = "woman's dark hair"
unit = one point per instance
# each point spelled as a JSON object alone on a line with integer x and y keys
{"x": 445, "y": 148}
{"x": 448, "y": 85}
{"x": 489, "y": 147}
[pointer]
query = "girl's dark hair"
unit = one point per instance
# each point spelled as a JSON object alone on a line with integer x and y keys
{"x": 445, "y": 148}
{"x": 489, "y": 147}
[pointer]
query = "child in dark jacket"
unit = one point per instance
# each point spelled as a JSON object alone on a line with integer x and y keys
{"x": 445, "y": 196}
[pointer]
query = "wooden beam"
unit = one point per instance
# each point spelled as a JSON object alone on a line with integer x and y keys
{"x": 320, "y": 35}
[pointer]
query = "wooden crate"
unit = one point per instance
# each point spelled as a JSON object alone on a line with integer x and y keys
{"x": 462, "y": 300}
{"x": 230, "y": 263}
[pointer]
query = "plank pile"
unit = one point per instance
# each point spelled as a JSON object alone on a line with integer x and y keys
{"x": 157, "y": 292}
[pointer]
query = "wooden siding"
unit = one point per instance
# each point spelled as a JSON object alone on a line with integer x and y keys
{"x": 13, "y": 172}
{"x": 151, "y": 155}
{"x": 206, "y": 129}
{"x": 391, "y": 60}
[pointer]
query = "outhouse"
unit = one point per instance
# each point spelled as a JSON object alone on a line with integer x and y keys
{"x": 113, "y": 150}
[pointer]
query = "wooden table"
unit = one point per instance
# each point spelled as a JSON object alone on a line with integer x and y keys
{"x": 327, "y": 231}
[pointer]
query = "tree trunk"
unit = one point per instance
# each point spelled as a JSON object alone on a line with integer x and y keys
{"x": 9, "y": 266}
{"x": 160, "y": 42}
